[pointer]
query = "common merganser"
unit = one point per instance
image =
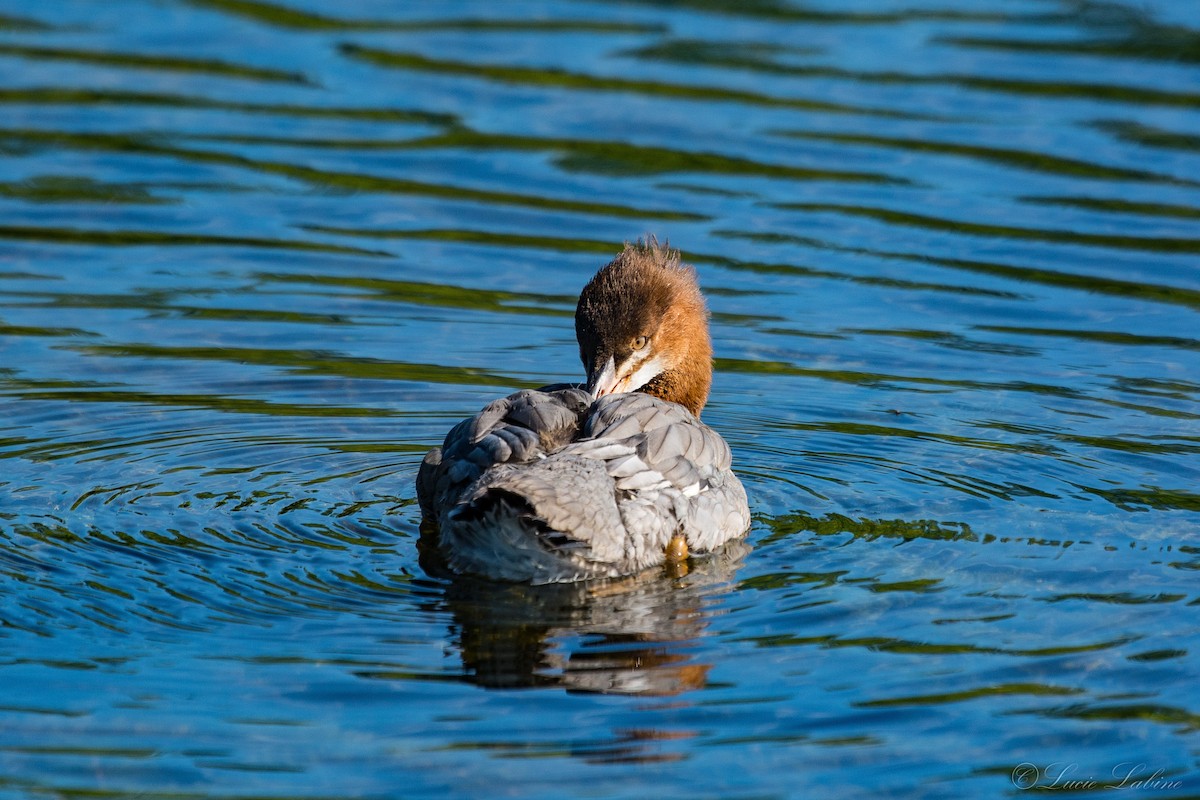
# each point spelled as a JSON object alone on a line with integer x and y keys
{"x": 573, "y": 482}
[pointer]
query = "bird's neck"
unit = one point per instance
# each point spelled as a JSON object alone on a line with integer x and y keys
{"x": 680, "y": 388}
{"x": 688, "y": 380}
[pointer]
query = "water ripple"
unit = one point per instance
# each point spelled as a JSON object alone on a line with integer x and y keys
{"x": 260, "y": 255}
{"x": 908, "y": 219}
{"x": 152, "y": 62}
{"x": 562, "y": 79}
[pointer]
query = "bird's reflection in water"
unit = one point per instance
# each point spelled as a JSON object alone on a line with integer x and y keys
{"x": 629, "y": 636}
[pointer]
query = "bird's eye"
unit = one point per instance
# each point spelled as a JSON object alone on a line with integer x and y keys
{"x": 640, "y": 342}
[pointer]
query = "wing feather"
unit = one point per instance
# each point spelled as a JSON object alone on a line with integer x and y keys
{"x": 519, "y": 428}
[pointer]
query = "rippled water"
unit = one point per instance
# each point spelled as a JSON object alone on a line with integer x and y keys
{"x": 256, "y": 258}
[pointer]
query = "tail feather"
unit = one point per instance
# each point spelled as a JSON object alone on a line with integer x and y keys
{"x": 498, "y": 502}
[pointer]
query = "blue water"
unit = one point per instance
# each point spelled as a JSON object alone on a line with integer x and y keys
{"x": 255, "y": 259}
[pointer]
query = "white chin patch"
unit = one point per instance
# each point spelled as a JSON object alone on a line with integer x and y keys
{"x": 647, "y": 371}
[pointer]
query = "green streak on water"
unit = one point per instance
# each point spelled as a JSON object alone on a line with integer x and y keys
{"x": 71, "y": 189}
{"x": 1187, "y": 721}
{"x": 1148, "y": 136}
{"x": 159, "y": 303}
{"x": 892, "y": 432}
{"x": 1067, "y": 280}
{"x": 911, "y": 382}
{"x": 766, "y": 367}
{"x": 489, "y": 238}
{"x": 314, "y": 362}
{"x": 1157, "y": 387}
{"x": 441, "y": 295}
{"x": 115, "y": 97}
{"x": 560, "y": 244}
{"x": 624, "y": 159}
{"x": 1158, "y": 655}
{"x": 795, "y": 269}
{"x": 286, "y": 17}
{"x": 916, "y": 585}
{"x": 562, "y": 79}
{"x": 252, "y": 314}
{"x": 10, "y": 23}
{"x": 1149, "y": 244}
{"x": 867, "y": 529}
{"x": 1123, "y": 442}
{"x": 941, "y": 698}
{"x": 44, "y": 711}
{"x": 371, "y": 183}
{"x": 866, "y": 280}
{"x": 31, "y": 330}
{"x": 132, "y": 238}
{"x": 756, "y": 55}
{"x": 717, "y": 55}
{"x": 1108, "y": 205}
{"x": 784, "y": 11}
{"x": 344, "y": 181}
{"x": 780, "y": 580}
{"x": 1024, "y": 159}
{"x": 1148, "y": 40}
{"x": 1134, "y": 95}
{"x": 953, "y": 341}
{"x": 75, "y": 391}
{"x": 283, "y": 16}
{"x": 582, "y": 155}
{"x": 1121, "y": 598}
{"x": 212, "y": 67}
{"x": 1107, "y": 337}
{"x": 907, "y": 647}
{"x": 1149, "y": 497}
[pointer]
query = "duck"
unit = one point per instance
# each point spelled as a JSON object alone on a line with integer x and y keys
{"x": 601, "y": 479}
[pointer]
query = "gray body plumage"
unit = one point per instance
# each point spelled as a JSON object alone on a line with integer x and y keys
{"x": 552, "y": 485}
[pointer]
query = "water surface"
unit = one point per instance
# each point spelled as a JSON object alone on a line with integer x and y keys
{"x": 256, "y": 258}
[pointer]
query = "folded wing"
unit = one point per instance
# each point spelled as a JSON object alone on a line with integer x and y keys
{"x": 548, "y": 485}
